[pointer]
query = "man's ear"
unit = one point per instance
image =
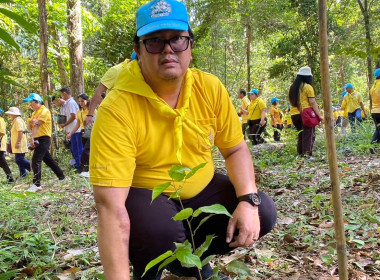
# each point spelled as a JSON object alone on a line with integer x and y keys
{"x": 137, "y": 50}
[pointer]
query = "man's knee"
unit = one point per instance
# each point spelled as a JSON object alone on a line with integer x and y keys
{"x": 267, "y": 213}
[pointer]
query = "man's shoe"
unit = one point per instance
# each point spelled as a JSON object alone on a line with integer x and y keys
{"x": 34, "y": 188}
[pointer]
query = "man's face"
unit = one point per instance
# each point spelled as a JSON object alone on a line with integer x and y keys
{"x": 252, "y": 96}
{"x": 240, "y": 95}
{"x": 34, "y": 105}
{"x": 350, "y": 90}
{"x": 167, "y": 65}
{"x": 64, "y": 95}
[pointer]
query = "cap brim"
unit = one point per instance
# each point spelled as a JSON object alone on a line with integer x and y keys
{"x": 12, "y": 113}
{"x": 163, "y": 25}
{"x": 27, "y": 99}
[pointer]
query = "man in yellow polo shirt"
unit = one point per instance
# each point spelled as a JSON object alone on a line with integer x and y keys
{"x": 257, "y": 120}
{"x": 375, "y": 106}
{"x": 244, "y": 109}
{"x": 40, "y": 125}
{"x": 276, "y": 119}
{"x": 353, "y": 102}
{"x": 161, "y": 113}
{"x": 3, "y": 147}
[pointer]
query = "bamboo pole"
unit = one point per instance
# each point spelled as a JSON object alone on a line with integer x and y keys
{"x": 330, "y": 141}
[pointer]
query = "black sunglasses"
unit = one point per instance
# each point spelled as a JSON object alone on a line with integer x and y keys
{"x": 157, "y": 45}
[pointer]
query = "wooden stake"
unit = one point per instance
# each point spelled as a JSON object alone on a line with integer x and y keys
{"x": 330, "y": 141}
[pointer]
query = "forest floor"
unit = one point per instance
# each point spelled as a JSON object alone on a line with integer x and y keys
{"x": 52, "y": 234}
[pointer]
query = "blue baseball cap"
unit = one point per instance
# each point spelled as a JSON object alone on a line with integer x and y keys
{"x": 274, "y": 99}
{"x": 161, "y": 14}
{"x": 255, "y": 91}
{"x": 134, "y": 55}
{"x": 349, "y": 85}
{"x": 1, "y": 111}
{"x": 33, "y": 97}
{"x": 377, "y": 72}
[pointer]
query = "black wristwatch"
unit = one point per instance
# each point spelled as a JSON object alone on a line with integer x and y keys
{"x": 253, "y": 198}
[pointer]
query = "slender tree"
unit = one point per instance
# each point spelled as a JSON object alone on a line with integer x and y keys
{"x": 74, "y": 30}
{"x": 44, "y": 39}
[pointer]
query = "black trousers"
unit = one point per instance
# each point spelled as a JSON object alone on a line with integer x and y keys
{"x": 244, "y": 128}
{"x": 5, "y": 167}
{"x": 153, "y": 230}
{"x": 85, "y": 160}
{"x": 41, "y": 153}
{"x": 306, "y": 136}
{"x": 376, "y": 134}
{"x": 277, "y": 131}
{"x": 255, "y": 131}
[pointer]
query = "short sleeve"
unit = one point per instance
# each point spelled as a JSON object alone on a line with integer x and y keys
{"x": 262, "y": 104}
{"x": 109, "y": 78}
{"x": 73, "y": 107}
{"x": 309, "y": 91}
{"x": 229, "y": 132}
{"x": 113, "y": 149}
{"x": 19, "y": 125}
{"x": 360, "y": 98}
{"x": 2, "y": 126}
{"x": 272, "y": 111}
{"x": 45, "y": 115}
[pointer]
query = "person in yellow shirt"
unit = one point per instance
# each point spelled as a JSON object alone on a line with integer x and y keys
{"x": 40, "y": 125}
{"x": 3, "y": 147}
{"x": 257, "y": 120}
{"x": 375, "y": 106}
{"x": 302, "y": 96}
{"x": 353, "y": 103}
{"x": 158, "y": 114}
{"x": 288, "y": 119}
{"x": 276, "y": 119}
{"x": 84, "y": 103}
{"x": 18, "y": 140}
{"x": 244, "y": 109}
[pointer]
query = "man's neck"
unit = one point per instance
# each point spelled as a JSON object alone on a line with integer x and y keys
{"x": 168, "y": 91}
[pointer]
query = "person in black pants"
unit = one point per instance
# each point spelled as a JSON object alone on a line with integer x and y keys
{"x": 40, "y": 124}
{"x": 3, "y": 147}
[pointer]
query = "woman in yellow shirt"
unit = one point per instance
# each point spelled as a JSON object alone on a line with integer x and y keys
{"x": 375, "y": 108}
{"x": 18, "y": 140}
{"x": 3, "y": 148}
{"x": 256, "y": 117}
{"x": 302, "y": 96}
{"x": 82, "y": 114}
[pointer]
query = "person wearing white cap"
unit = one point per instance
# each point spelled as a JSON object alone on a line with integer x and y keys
{"x": 302, "y": 96}
{"x": 18, "y": 140}
{"x": 374, "y": 95}
{"x": 162, "y": 113}
{"x": 3, "y": 147}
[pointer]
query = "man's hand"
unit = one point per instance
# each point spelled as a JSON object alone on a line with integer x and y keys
{"x": 31, "y": 142}
{"x": 62, "y": 125}
{"x": 68, "y": 136}
{"x": 262, "y": 122}
{"x": 88, "y": 120}
{"x": 246, "y": 220}
{"x": 17, "y": 146}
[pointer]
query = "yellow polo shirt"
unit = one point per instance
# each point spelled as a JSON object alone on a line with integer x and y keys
{"x": 288, "y": 118}
{"x": 306, "y": 92}
{"x": 276, "y": 113}
{"x": 81, "y": 116}
{"x": 43, "y": 115}
{"x": 245, "y": 104}
{"x": 18, "y": 124}
{"x": 294, "y": 111}
{"x": 352, "y": 101}
{"x": 4, "y": 140}
{"x": 255, "y": 108}
{"x": 109, "y": 78}
{"x": 375, "y": 97}
{"x": 134, "y": 144}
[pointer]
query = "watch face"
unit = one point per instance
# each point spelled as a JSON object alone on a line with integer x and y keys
{"x": 256, "y": 199}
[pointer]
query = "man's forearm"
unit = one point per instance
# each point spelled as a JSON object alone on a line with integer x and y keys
{"x": 70, "y": 120}
{"x": 19, "y": 136}
{"x": 97, "y": 98}
{"x": 113, "y": 241}
{"x": 240, "y": 169}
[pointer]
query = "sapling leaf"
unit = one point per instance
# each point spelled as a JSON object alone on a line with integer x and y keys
{"x": 157, "y": 260}
{"x": 178, "y": 173}
{"x": 174, "y": 195}
{"x": 183, "y": 214}
{"x": 238, "y": 267}
{"x": 213, "y": 209}
{"x": 186, "y": 257}
{"x": 9, "y": 274}
{"x": 207, "y": 260}
{"x": 202, "y": 222}
{"x": 167, "y": 261}
{"x": 195, "y": 169}
{"x": 157, "y": 190}
{"x": 204, "y": 246}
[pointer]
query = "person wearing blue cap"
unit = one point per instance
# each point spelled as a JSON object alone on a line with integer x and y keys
{"x": 257, "y": 120}
{"x": 106, "y": 83}
{"x": 374, "y": 95}
{"x": 3, "y": 148}
{"x": 276, "y": 119}
{"x": 158, "y": 114}
{"x": 40, "y": 139}
{"x": 353, "y": 103}
{"x": 244, "y": 109}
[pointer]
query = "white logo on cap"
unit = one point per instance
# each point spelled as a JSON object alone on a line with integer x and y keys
{"x": 161, "y": 9}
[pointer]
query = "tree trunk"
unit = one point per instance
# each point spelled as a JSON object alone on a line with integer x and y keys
{"x": 249, "y": 40}
{"x": 58, "y": 57}
{"x": 74, "y": 30}
{"x": 364, "y": 9}
{"x": 42, "y": 16}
